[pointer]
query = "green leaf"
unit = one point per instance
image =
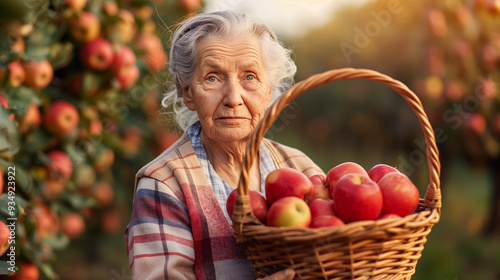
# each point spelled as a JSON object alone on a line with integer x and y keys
{"x": 47, "y": 270}
{"x": 15, "y": 9}
{"x": 61, "y": 54}
{"x": 57, "y": 242}
{"x": 76, "y": 201}
{"x": 20, "y": 98}
{"x": 6, "y": 268}
{"x": 5, "y": 44}
{"x": 9, "y": 135}
{"x": 8, "y": 207}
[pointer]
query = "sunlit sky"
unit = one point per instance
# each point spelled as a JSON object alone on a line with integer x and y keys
{"x": 288, "y": 18}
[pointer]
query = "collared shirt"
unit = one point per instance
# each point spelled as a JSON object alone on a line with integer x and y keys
{"x": 221, "y": 188}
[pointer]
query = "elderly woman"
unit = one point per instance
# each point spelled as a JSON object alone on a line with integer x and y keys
{"x": 227, "y": 69}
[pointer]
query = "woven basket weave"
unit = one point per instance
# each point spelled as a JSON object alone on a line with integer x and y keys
{"x": 382, "y": 249}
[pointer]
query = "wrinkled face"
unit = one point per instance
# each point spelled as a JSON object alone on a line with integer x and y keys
{"x": 230, "y": 89}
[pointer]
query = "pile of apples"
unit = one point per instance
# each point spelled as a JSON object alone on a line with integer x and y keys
{"x": 347, "y": 193}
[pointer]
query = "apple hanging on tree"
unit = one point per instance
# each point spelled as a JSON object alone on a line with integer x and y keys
{"x": 97, "y": 55}
{"x": 61, "y": 118}
{"x": 39, "y": 74}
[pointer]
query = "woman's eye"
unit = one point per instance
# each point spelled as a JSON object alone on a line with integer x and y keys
{"x": 211, "y": 79}
{"x": 249, "y": 77}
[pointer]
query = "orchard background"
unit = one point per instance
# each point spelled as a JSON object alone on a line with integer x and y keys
{"x": 81, "y": 83}
{"x": 82, "y": 80}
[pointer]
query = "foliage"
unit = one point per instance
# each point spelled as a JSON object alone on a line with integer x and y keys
{"x": 80, "y": 91}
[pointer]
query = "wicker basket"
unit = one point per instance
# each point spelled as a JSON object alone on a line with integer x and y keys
{"x": 382, "y": 249}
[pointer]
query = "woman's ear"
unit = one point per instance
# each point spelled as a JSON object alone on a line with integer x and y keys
{"x": 187, "y": 96}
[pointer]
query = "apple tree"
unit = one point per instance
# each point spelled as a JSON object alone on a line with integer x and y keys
{"x": 80, "y": 85}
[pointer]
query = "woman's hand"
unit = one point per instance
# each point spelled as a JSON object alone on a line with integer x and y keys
{"x": 286, "y": 274}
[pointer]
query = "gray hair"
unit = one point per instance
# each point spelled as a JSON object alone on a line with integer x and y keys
{"x": 278, "y": 63}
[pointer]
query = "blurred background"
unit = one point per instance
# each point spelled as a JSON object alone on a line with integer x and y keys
{"x": 81, "y": 85}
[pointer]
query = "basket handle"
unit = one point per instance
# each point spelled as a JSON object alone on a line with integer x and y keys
{"x": 433, "y": 195}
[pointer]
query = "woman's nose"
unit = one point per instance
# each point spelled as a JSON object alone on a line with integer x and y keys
{"x": 233, "y": 93}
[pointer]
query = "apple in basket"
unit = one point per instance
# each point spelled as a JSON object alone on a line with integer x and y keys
{"x": 389, "y": 216}
{"x": 326, "y": 221}
{"x": 378, "y": 171}
{"x": 400, "y": 195}
{"x": 285, "y": 182}
{"x": 289, "y": 211}
{"x": 357, "y": 197}
{"x": 334, "y": 175}
{"x": 257, "y": 202}
{"x": 321, "y": 207}
{"x": 320, "y": 187}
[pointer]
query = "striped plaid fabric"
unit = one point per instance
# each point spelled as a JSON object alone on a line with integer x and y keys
{"x": 220, "y": 187}
{"x": 178, "y": 230}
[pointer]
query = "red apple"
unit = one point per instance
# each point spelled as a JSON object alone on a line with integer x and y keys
{"x": 38, "y": 74}
{"x": 389, "y": 216}
{"x": 318, "y": 179}
{"x": 27, "y": 271}
{"x": 320, "y": 187}
{"x": 378, "y": 171}
{"x": 126, "y": 27}
{"x": 31, "y": 119}
{"x": 287, "y": 182}
{"x": 76, "y": 5}
{"x": 257, "y": 202}
{"x": 321, "y": 207}
{"x": 86, "y": 27}
{"x": 154, "y": 55}
{"x": 61, "y": 118}
{"x": 289, "y": 211}
{"x": 4, "y": 237}
{"x": 60, "y": 167}
{"x": 488, "y": 89}
{"x": 191, "y": 5}
{"x": 53, "y": 188}
{"x": 127, "y": 79}
{"x": 103, "y": 159}
{"x": 400, "y": 195}
{"x": 123, "y": 60}
{"x": 436, "y": 22}
{"x": 110, "y": 8}
{"x": 131, "y": 140}
{"x": 326, "y": 221}
{"x": 334, "y": 175}
{"x": 103, "y": 193}
{"x": 18, "y": 45}
{"x": 46, "y": 220}
{"x": 16, "y": 74}
{"x": 112, "y": 221}
{"x": 356, "y": 198}
{"x": 97, "y": 55}
{"x": 143, "y": 13}
{"x": 72, "y": 225}
{"x": 475, "y": 123}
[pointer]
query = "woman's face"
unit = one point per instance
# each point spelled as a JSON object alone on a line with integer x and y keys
{"x": 230, "y": 89}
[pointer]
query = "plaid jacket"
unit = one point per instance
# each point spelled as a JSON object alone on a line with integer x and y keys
{"x": 177, "y": 229}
